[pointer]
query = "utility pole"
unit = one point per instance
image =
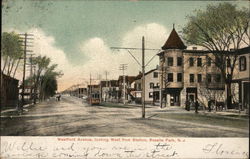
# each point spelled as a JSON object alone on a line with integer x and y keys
{"x": 106, "y": 83}
{"x": 161, "y": 84}
{"x": 123, "y": 67}
{"x": 141, "y": 65}
{"x": 143, "y": 78}
{"x": 24, "y": 37}
{"x": 30, "y": 64}
{"x": 90, "y": 90}
{"x": 106, "y": 74}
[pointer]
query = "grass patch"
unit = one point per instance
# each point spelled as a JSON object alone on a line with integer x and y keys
{"x": 207, "y": 119}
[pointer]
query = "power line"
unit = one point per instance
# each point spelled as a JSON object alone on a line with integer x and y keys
{"x": 142, "y": 64}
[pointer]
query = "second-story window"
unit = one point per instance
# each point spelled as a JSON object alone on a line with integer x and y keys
{"x": 217, "y": 60}
{"x": 170, "y": 77}
{"x": 228, "y": 63}
{"x": 217, "y": 78}
{"x": 199, "y": 78}
{"x": 170, "y": 61}
{"x": 199, "y": 62}
{"x": 139, "y": 86}
{"x": 209, "y": 61}
{"x": 179, "y": 61}
{"x": 179, "y": 77}
{"x": 191, "y": 78}
{"x": 150, "y": 94}
{"x": 243, "y": 63}
{"x": 155, "y": 74}
{"x": 151, "y": 85}
{"x": 191, "y": 61}
{"x": 209, "y": 78}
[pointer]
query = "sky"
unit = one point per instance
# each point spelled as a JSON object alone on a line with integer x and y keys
{"x": 78, "y": 34}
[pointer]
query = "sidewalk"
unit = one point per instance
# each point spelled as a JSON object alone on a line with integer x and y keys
{"x": 15, "y": 110}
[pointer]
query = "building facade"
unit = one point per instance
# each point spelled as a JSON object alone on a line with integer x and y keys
{"x": 151, "y": 87}
{"x": 241, "y": 77}
{"x": 109, "y": 90}
{"x": 186, "y": 74}
{"x": 9, "y": 91}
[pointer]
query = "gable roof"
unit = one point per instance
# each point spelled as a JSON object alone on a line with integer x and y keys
{"x": 127, "y": 78}
{"x": 173, "y": 42}
{"x": 139, "y": 76}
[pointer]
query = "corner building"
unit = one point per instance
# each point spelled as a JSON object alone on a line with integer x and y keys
{"x": 184, "y": 73}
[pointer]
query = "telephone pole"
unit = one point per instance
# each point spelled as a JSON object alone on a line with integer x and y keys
{"x": 24, "y": 38}
{"x": 142, "y": 64}
{"x": 123, "y": 67}
{"x": 31, "y": 82}
{"x": 143, "y": 78}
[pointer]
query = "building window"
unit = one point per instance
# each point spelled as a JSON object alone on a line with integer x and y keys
{"x": 209, "y": 61}
{"x": 151, "y": 85}
{"x": 139, "y": 86}
{"x": 243, "y": 63}
{"x": 228, "y": 63}
{"x": 170, "y": 77}
{"x": 179, "y": 61}
{"x": 191, "y": 61}
{"x": 179, "y": 77}
{"x": 209, "y": 78}
{"x": 217, "y": 60}
{"x": 155, "y": 74}
{"x": 199, "y": 76}
{"x": 199, "y": 62}
{"x": 150, "y": 94}
{"x": 170, "y": 61}
{"x": 217, "y": 78}
{"x": 191, "y": 78}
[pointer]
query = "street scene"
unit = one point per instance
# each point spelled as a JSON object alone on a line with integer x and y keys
{"x": 125, "y": 69}
{"x": 72, "y": 117}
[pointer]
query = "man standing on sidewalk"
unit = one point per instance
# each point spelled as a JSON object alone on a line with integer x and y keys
{"x": 196, "y": 106}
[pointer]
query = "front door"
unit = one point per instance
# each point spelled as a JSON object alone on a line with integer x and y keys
{"x": 191, "y": 97}
{"x": 175, "y": 99}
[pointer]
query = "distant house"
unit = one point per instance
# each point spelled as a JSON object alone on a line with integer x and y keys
{"x": 9, "y": 91}
{"x": 128, "y": 81}
{"x": 151, "y": 87}
{"x": 79, "y": 92}
{"x": 109, "y": 90}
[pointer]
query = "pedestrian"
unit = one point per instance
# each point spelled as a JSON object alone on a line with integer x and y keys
{"x": 196, "y": 106}
{"x": 209, "y": 106}
{"x": 187, "y": 105}
{"x": 59, "y": 97}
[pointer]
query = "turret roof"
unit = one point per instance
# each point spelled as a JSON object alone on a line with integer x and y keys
{"x": 173, "y": 42}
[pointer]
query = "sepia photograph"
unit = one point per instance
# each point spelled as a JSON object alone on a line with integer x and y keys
{"x": 108, "y": 72}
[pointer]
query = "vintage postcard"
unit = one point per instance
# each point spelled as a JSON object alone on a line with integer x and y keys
{"x": 92, "y": 79}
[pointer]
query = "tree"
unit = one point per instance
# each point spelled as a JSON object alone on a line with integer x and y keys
{"x": 11, "y": 49}
{"x": 42, "y": 64}
{"x": 48, "y": 82}
{"x": 222, "y": 29}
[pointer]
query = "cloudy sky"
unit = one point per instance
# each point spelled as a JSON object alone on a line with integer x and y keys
{"x": 78, "y": 34}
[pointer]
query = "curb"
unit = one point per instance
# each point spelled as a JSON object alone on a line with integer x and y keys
{"x": 15, "y": 109}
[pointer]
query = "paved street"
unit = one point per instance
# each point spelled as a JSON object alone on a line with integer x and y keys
{"x": 72, "y": 117}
